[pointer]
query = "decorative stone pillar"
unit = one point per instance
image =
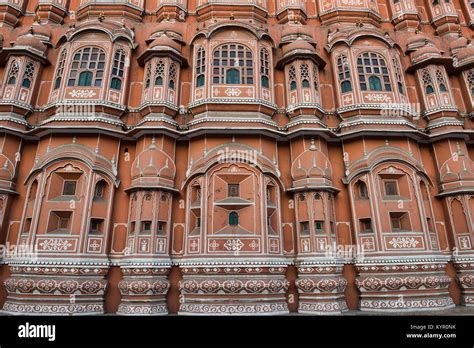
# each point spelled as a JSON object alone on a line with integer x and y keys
{"x": 55, "y": 288}
{"x": 395, "y": 285}
{"x": 321, "y": 287}
{"x": 320, "y": 282}
{"x": 144, "y": 288}
{"x": 146, "y": 262}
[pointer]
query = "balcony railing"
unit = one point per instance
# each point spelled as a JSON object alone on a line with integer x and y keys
{"x": 19, "y": 4}
{"x": 137, "y": 3}
{"x": 61, "y": 3}
{"x": 358, "y": 5}
{"x": 180, "y": 3}
{"x": 290, "y": 4}
{"x": 260, "y": 3}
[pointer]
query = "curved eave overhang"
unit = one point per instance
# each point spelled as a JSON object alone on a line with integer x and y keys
{"x": 303, "y": 109}
{"x": 90, "y": 26}
{"x": 348, "y": 37}
{"x": 14, "y": 124}
{"x": 222, "y": 104}
{"x": 162, "y": 51}
{"x": 463, "y": 64}
{"x": 111, "y": 9}
{"x": 140, "y": 261}
{"x": 221, "y": 9}
{"x": 148, "y": 108}
{"x": 335, "y": 13}
{"x": 138, "y": 187}
{"x": 447, "y": 62}
{"x": 461, "y": 190}
{"x": 155, "y": 124}
{"x": 259, "y": 33}
{"x": 94, "y": 161}
{"x": 27, "y": 51}
{"x": 313, "y": 187}
{"x": 301, "y": 54}
{"x": 15, "y": 107}
{"x": 99, "y": 107}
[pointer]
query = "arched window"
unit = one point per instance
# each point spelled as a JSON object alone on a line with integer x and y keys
{"x": 373, "y": 72}
{"x": 200, "y": 80}
{"x": 233, "y": 218}
{"x": 232, "y": 76}
{"x": 148, "y": 75}
{"x": 99, "y": 192}
{"x": 200, "y": 67}
{"x": 234, "y": 58}
{"x": 441, "y": 80}
{"x": 374, "y": 83}
{"x": 344, "y": 73}
{"x": 264, "y": 68}
{"x": 118, "y": 70}
{"x": 304, "y": 72}
{"x": 470, "y": 80}
{"x": 346, "y": 87}
{"x": 60, "y": 71}
{"x": 427, "y": 81}
{"x": 315, "y": 78}
{"x": 159, "y": 73}
{"x": 292, "y": 78}
{"x": 362, "y": 190}
{"x": 12, "y": 75}
{"x": 28, "y": 75}
{"x": 87, "y": 67}
{"x": 85, "y": 78}
{"x": 172, "y": 78}
{"x": 398, "y": 75}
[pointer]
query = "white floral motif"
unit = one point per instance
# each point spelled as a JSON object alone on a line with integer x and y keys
{"x": 233, "y": 244}
{"x": 233, "y": 92}
{"x": 379, "y": 98}
{"x": 55, "y": 244}
{"x": 82, "y": 93}
{"x": 404, "y": 242}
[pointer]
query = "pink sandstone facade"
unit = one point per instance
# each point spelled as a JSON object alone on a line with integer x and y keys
{"x": 223, "y": 157}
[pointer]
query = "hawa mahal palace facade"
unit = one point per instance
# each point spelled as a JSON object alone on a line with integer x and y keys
{"x": 227, "y": 156}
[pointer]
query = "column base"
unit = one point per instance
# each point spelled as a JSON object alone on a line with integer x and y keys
{"x": 56, "y": 288}
{"x": 144, "y": 289}
{"x": 321, "y": 287}
{"x": 231, "y": 289}
{"x": 403, "y": 285}
{"x": 465, "y": 275}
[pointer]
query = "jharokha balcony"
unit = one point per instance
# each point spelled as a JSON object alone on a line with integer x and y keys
{"x": 333, "y": 11}
{"x": 291, "y": 11}
{"x": 11, "y": 11}
{"x": 172, "y": 9}
{"x": 132, "y": 10}
{"x": 233, "y": 9}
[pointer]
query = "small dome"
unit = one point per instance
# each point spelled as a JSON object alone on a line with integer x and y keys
{"x": 461, "y": 168}
{"x": 465, "y": 53}
{"x": 458, "y": 43}
{"x": 165, "y": 41}
{"x": 299, "y": 45}
{"x": 417, "y": 39}
{"x": 425, "y": 52}
{"x": 153, "y": 163}
{"x": 298, "y": 30}
{"x": 312, "y": 163}
{"x": 29, "y": 40}
{"x": 175, "y": 27}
